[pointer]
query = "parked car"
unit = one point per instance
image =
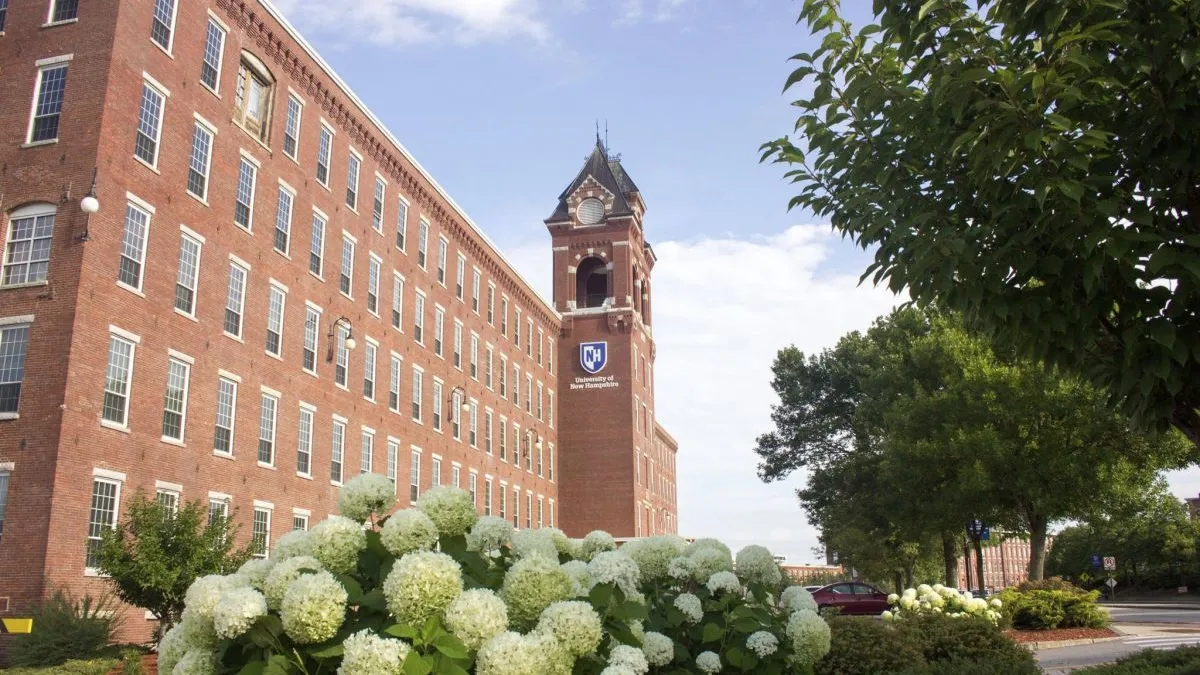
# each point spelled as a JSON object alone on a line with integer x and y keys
{"x": 851, "y": 598}
{"x": 813, "y": 589}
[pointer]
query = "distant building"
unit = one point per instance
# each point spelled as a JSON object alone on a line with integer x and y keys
{"x": 803, "y": 573}
{"x": 1004, "y": 564}
{"x": 1193, "y": 506}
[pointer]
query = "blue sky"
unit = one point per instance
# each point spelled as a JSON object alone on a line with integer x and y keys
{"x": 498, "y": 100}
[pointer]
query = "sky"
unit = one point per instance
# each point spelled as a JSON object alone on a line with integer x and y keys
{"x": 500, "y": 100}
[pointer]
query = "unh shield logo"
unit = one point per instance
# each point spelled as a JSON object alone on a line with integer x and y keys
{"x": 593, "y": 356}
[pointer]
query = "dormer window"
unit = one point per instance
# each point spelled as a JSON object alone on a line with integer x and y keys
{"x": 591, "y": 211}
{"x": 255, "y": 87}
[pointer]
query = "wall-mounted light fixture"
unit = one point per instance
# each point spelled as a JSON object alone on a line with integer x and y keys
{"x": 89, "y": 205}
{"x": 350, "y": 342}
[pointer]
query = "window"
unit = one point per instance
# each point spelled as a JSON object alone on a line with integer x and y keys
{"x": 516, "y": 385}
{"x": 418, "y": 381}
{"x": 3, "y": 17}
{"x": 504, "y": 317}
{"x": 352, "y": 166}
{"x": 116, "y": 381}
{"x": 179, "y": 372}
{"x": 503, "y": 500}
{"x": 188, "y": 276}
{"x": 243, "y": 207}
{"x": 491, "y": 304}
{"x": 487, "y": 367}
{"x": 260, "y": 538}
{"x": 48, "y": 101}
{"x": 226, "y": 413}
{"x": 312, "y": 323}
{"x": 550, "y": 357}
{"x": 437, "y": 404}
{"x": 398, "y": 302}
{"x": 283, "y": 219}
{"x": 370, "y": 351}
{"x": 516, "y": 445}
{"x": 529, "y": 338}
{"x": 163, "y": 23}
{"x": 30, "y": 236}
{"x": 347, "y": 273}
{"x": 252, "y": 102}
{"x": 167, "y": 498}
{"x": 275, "y": 306}
{"x": 316, "y": 246}
{"x": 474, "y": 368}
{"x": 435, "y": 472}
{"x": 475, "y": 281}
{"x": 199, "y": 161}
{"x": 457, "y": 353}
{"x": 291, "y": 126}
{"x": 540, "y": 398}
{"x": 214, "y": 48}
{"x": 456, "y": 476}
{"x": 133, "y": 247}
{"x": 541, "y": 343}
{"x": 456, "y": 415}
{"x": 503, "y": 376}
{"x": 516, "y": 507}
{"x": 367, "y": 458}
{"x": 487, "y": 431}
{"x": 422, "y": 243}
{"x": 460, "y": 276}
{"x": 528, "y": 510}
{"x": 342, "y": 359}
{"x": 393, "y": 459}
{"x": 377, "y": 205}
{"x": 266, "y": 429}
{"x": 487, "y": 496}
{"x": 541, "y": 510}
{"x": 373, "y": 266}
{"x": 591, "y": 283}
{"x": 517, "y": 327}
{"x": 394, "y": 384}
{"x": 401, "y": 223}
{"x": 441, "y": 261}
{"x": 473, "y": 426}
{"x": 299, "y": 522}
{"x": 419, "y": 318}
{"x": 218, "y": 508}
{"x": 529, "y": 393}
{"x": 338, "y": 448}
{"x": 106, "y": 494}
{"x": 3, "y": 474}
{"x": 550, "y": 408}
{"x": 414, "y": 476}
{"x": 473, "y": 487}
{"x": 324, "y": 148}
{"x": 529, "y": 451}
{"x": 235, "y": 300}
{"x": 503, "y": 439}
{"x": 304, "y": 436}
{"x": 13, "y": 342}
{"x": 439, "y": 325}
{"x": 540, "y": 458}
{"x": 550, "y": 471}
{"x": 149, "y": 129}
{"x": 63, "y": 10}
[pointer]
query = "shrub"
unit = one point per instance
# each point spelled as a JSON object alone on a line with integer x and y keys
{"x": 1043, "y": 609}
{"x": 863, "y": 646}
{"x": 90, "y": 667}
{"x": 940, "y": 600}
{"x": 1014, "y": 664}
{"x": 1083, "y": 612}
{"x": 66, "y": 628}
{"x": 1180, "y": 661}
{"x": 131, "y": 662}
{"x": 1050, "y": 584}
{"x": 941, "y": 638}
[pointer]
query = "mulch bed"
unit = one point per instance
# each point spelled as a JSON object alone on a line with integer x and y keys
{"x": 149, "y": 665}
{"x": 1060, "y": 634}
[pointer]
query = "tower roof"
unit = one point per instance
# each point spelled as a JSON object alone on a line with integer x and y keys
{"x": 608, "y": 172}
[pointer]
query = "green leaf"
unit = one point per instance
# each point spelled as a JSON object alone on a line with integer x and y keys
{"x": 712, "y": 633}
{"x": 600, "y": 596}
{"x": 402, "y": 630}
{"x": 253, "y": 668}
{"x": 926, "y": 8}
{"x": 277, "y": 665}
{"x": 450, "y": 646}
{"x": 373, "y": 599}
{"x": 327, "y": 652}
{"x": 415, "y": 664}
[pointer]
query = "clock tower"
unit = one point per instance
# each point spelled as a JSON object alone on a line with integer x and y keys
{"x": 616, "y": 464}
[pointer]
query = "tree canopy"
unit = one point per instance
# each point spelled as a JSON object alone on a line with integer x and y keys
{"x": 1032, "y": 165}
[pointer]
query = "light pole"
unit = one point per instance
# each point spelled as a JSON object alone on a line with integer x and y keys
{"x": 350, "y": 342}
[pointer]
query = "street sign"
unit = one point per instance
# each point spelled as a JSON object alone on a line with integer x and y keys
{"x": 1111, "y": 583}
{"x": 976, "y": 528}
{"x": 985, "y": 533}
{"x": 1110, "y": 563}
{"x": 1097, "y": 561}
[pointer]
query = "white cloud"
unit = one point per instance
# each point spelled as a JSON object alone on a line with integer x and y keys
{"x": 632, "y": 11}
{"x": 722, "y": 308}
{"x": 404, "y": 22}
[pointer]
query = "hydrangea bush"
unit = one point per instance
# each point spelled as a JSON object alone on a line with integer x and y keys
{"x": 939, "y": 599}
{"x": 436, "y": 589}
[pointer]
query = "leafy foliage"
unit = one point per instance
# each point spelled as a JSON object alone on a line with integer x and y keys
{"x": 1028, "y": 164}
{"x": 1044, "y": 609}
{"x": 66, "y": 628}
{"x": 1179, "y": 661}
{"x": 861, "y": 646}
{"x": 73, "y": 667}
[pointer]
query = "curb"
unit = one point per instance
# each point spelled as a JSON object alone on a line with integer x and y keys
{"x": 1055, "y": 644}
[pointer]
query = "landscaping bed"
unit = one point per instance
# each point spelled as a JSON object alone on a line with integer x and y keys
{"x": 1057, "y": 634}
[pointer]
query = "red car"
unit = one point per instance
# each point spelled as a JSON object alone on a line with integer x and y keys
{"x": 851, "y": 598}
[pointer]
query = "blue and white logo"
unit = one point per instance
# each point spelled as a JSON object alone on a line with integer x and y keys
{"x": 593, "y": 356}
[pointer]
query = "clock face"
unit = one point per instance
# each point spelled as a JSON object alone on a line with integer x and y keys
{"x": 591, "y": 211}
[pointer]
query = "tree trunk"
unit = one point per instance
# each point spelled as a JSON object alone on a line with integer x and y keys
{"x": 1037, "y": 547}
{"x": 950, "y": 559}
{"x": 898, "y": 579}
{"x": 966, "y": 564}
{"x": 908, "y": 576}
{"x": 979, "y": 563}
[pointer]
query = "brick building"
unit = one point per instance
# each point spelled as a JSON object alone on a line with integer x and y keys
{"x": 225, "y": 280}
{"x": 1004, "y": 564}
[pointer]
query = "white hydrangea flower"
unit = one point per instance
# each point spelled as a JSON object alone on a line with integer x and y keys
{"x": 366, "y": 494}
{"x": 196, "y": 661}
{"x": 476, "y": 616}
{"x": 558, "y": 661}
{"x": 809, "y": 634}
{"x": 708, "y": 662}
{"x": 576, "y": 549}
{"x": 336, "y": 542}
{"x": 562, "y": 543}
{"x": 283, "y": 574}
{"x": 887, "y": 615}
{"x": 237, "y": 610}
{"x": 893, "y": 599}
{"x": 909, "y": 593}
{"x": 924, "y": 589}
{"x": 205, "y": 592}
{"x": 422, "y": 585}
{"x": 530, "y": 586}
{"x": 690, "y": 605}
{"x": 450, "y": 509}
{"x": 630, "y": 657}
{"x": 407, "y": 531}
{"x": 313, "y": 608}
{"x": 618, "y": 670}
{"x": 724, "y": 582}
{"x": 653, "y": 555}
{"x": 996, "y": 604}
{"x": 526, "y": 543}
{"x": 293, "y": 544}
{"x": 614, "y": 567}
{"x": 577, "y": 572}
{"x": 658, "y": 649}
{"x": 709, "y": 560}
{"x": 938, "y": 588}
{"x": 574, "y": 624}
{"x": 255, "y": 571}
{"x": 762, "y": 643}
{"x": 510, "y": 653}
{"x": 197, "y": 630}
{"x": 489, "y": 533}
{"x": 796, "y": 598}
{"x": 369, "y": 654}
{"x": 596, "y": 541}
{"x": 172, "y": 647}
{"x": 756, "y": 564}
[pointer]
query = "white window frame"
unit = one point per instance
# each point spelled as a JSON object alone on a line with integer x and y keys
{"x": 443, "y": 252}
{"x": 132, "y": 340}
{"x": 293, "y": 97}
{"x": 316, "y": 244}
{"x": 418, "y": 393}
{"x": 353, "y": 173}
{"x": 337, "y": 450}
{"x": 285, "y": 219}
{"x": 423, "y": 244}
{"x": 378, "y": 201}
{"x": 366, "y": 457}
{"x": 235, "y": 382}
{"x": 273, "y": 396}
{"x": 269, "y": 509}
{"x": 397, "y": 316}
{"x": 138, "y": 205}
{"x": 324, "y": 154}
{"x": 186, "y": 362}
{"x": 312, "y": 328}
{"x": 350, "y": 239}
{"x": 307, "y": 412}
{"x": 186, "y": 234}
{"x": 174, "y": 18}
{"x": 213, "y": 21}
{"x": 402, "y": 224}
{"x": 117, "y": 480}
{"x": 276, "y": 288}
{"x": 246, "y": 161}
{"x": 205, "y": 127}
{"x": 374, "y": 272}
{"x": 152, "y": 85}
{"x": 236, "y": 263}
{"x": 370, "y": 367}
{"x": 44, "y": 65}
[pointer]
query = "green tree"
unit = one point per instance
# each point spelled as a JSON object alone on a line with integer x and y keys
{"x": 156, "y": 552}
{"x": 1031, "y": 165}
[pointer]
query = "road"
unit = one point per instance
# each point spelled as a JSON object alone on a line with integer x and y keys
{"x": 1146, "y": 626}
{"x": 1151, "y": 613}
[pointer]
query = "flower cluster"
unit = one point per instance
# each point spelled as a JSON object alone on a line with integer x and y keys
{"x": 939, "y": 599}
{"x": 237, "y": 610}
{"x": 368, "y": 654}
{"x": 658, "y": 648}
{"x": 336, "y": 542}
{"x": 575, "y": 625}
{"x": 477, "y": 616}
{"x": 809, "y": 635}
{"x": 407, "y": 531}
{"x": 530, "y": 586}
{"x": 452, "y": 510}
{"x": 422, "y": 585}
{"x": 489, "y": 533}
{"x": 283, "y": 574}
{"x": 755, "y": 564}
{"x": 313, "y": 608}
{"x": 796, "y": 598}
{"x": 723, "y": 582}
{"x": 292, "y": 544}
{"x": 365, "y": 495}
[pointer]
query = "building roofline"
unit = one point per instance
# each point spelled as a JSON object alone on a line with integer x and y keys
{"x": 660, "y": 431}
{"x": 387, "y": 133}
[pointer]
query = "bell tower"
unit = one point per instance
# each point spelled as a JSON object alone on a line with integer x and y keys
{"x": 607, "y": 433}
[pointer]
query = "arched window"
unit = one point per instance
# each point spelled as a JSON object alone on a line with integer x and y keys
{"x": 27, "y": 251}
{"x": 591, "y": 283}
{"x": 252, "y": 102}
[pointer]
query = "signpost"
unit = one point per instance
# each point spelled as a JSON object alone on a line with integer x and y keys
{"x": 1110, "y": 564}
{"x": 1112, "y": 585}
{"x": 1097, "y": 561}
